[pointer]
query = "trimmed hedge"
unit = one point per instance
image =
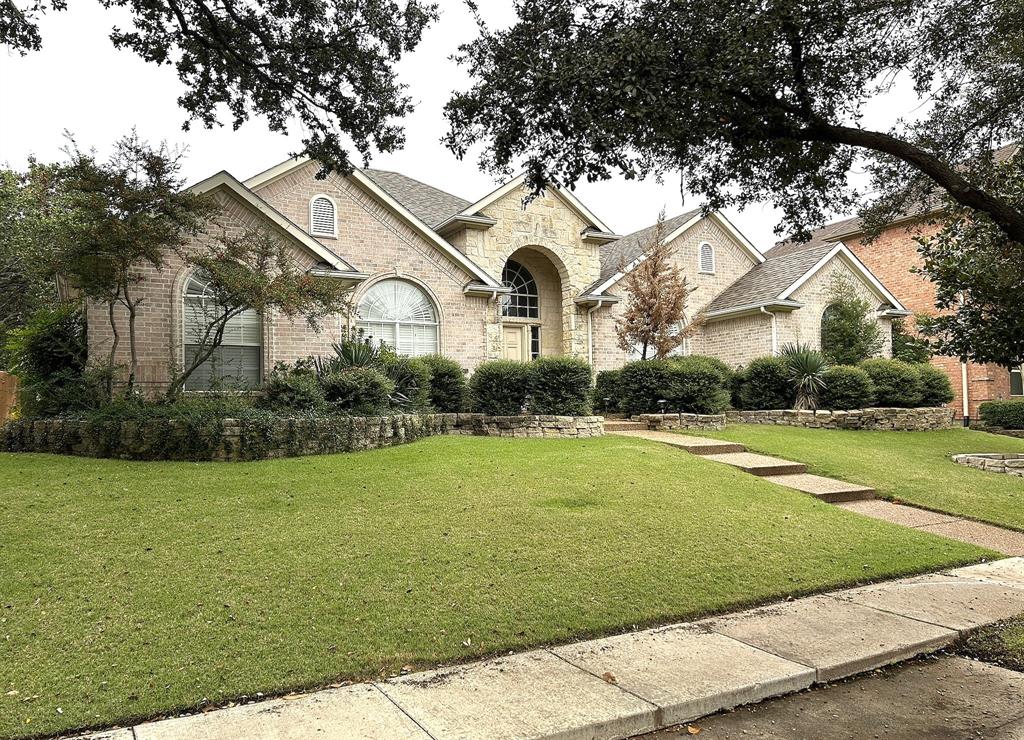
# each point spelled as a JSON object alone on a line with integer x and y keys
{"x": 411, "y": 378}
{"x": 498, "y": 387}
{"x": 694, "y": 384}
{"x": 846, "y": 387}
{"x": 765, "y": 384}
{"x": 290, "y": 390}
{"x": 559, "y": 386}
{"x": 935, "y": 387}
{"x": 897, "y": 383}
{"x": 360, "y": 391}
{"x": 607, "y": 387}
{"x": 1005, "y": 414}
{"x": 447, "y": 384}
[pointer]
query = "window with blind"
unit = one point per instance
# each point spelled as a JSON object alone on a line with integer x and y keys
{"x": 707, "y": 258}
{"x": 236, "y": 363}
{"x": 1017, "y": 381}
{"x": 401, "y": 315}
{"x": 322, "y": 217}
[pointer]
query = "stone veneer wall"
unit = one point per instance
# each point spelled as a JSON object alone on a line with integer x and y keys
{"x": 236, "y": 440}
{"x": 888, "y": 419}
{"x": 1011, "y": 464}
{"x": 655, "y": 422}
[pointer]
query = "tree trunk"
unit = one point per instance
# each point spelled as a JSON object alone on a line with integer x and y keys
{"x": 133, "y": 365}
{"x": 113, "y": 349}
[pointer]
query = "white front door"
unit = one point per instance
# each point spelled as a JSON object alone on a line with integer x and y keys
{"x": 514, "y": 348}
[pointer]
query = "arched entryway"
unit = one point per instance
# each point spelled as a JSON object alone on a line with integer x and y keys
{"x": 532, "y": 312}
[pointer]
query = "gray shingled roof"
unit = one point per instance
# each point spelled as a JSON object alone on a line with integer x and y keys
{"x": 429, "y": 204}
{"x": 765, "y": 282}
{"x": 620, "y": 252}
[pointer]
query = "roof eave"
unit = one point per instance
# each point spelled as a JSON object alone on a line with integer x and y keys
{"x": 599, "y": 238}
{"x": 773, "y": 306}
{"x": 589, "y": 300}
{"x": 458, "y": 222}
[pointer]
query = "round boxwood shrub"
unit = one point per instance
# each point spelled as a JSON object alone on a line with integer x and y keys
{"x": 558, "y": 385}
{"x": 643, "y": 383}
{"x": 360, "y": 391}
{"x": 700, "y": 385}
{"x": 447, "y": 384}
{"x": 765, "y": 384}
{"x": 897, "y": 383}
{"x": 287, "y": 390}
{"x": 498, "y": 387}
{"x": 607, "y": 394}
{"x": 1005, "y": 414}
{"x": 935, "y": 387}
{"x": 846, "y": 387}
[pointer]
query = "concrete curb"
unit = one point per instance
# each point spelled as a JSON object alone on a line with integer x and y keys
{"x": 638, "y": 682}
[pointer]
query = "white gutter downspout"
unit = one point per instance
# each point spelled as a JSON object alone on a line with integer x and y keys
{"x": 775, "y": 329}
{"x": 963, "y": 393}
{"x": 590, "y": 331}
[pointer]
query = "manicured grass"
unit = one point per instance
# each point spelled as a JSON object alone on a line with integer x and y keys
{"x": 909, "y": 466}
{"x": 132, "y": 589}
{"x": 1002, "y": 644}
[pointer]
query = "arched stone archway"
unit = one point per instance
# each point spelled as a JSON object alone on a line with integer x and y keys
{"x": 533, "y": 316}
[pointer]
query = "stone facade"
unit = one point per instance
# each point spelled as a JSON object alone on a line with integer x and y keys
{"x": 234, "y": 440}
{"x": 1011, "y": 464}
{"x": 879, "y": 419}
{"x": 706, "y": 422}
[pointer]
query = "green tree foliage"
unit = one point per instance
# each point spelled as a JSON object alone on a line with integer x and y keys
{"x": 849, "y": 330}
{"x": 979, "y": 280}
{"x": 328, "y": 65}
{"x": 908, "y": 345}
{"x": 752, "y": 100}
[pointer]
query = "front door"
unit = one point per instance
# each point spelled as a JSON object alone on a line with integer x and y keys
{"x": 513, "y": 343}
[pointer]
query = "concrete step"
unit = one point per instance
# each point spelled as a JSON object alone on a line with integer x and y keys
{"x": 693, "y": 445}
{"x": 827, "y": 489}
{"x": 761, "y": 465}
{"x": 622, "y": 425}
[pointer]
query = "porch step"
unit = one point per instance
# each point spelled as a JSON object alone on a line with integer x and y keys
{"x": 829, "y": 490}
{"x": 760, "y": 465}
{"x": 693, "y": 445}
{"x": 623, "y": 425}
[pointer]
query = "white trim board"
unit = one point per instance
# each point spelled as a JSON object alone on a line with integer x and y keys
{"x": 842, "y": 251}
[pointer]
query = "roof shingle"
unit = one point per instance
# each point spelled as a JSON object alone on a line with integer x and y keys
{"x": 765, "y": 282}
{"x": 429, "y": 204}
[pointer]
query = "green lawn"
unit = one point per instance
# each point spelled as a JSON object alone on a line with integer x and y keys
{"x": 130, "y": 589}
{"x": 908, "y": 466}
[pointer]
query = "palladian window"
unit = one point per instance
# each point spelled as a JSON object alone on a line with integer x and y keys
{"x": 524, "y": 300}
{"x": 236, "y": 362}
{"x": 400, "y": 314}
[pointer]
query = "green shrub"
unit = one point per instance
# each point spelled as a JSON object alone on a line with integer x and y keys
{"x": 908, "y": 346}
{"x": 411, "y": 378}
{"x": 693, "y": 384}
{"x": 360, "y": 391}
{"x": 765, "y": 384}
{"x": 897, "y": 383}
{"x": 447, "y": 384}
{"x": 498, "y": 387}
{"x": 806, "y": 367}
{"x": 849, "y": 331}
{"x": 1005, "y": 414}
{"x": 558, "y": 385}
{"x": 935, "y": 387}
{"x": 846, "y": 387}
{"x": 289, "y": 390}
{"x": 607, "y": 394}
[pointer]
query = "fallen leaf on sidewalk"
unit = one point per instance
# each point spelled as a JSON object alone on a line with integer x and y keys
{"x": 693, "y": 729}
{"x": 609, "y": 677}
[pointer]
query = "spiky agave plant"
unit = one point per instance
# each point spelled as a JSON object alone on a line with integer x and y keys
{"x": 806, "y": 371}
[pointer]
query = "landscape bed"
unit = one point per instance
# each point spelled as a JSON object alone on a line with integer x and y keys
{"x": 135, "y": 589}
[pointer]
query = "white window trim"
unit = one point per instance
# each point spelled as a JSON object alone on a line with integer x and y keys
{"x": 361, "y": 323}
{"x": 334, "y": 222}
{"x": 1019, "y": 371}
{"x": 700, "y": 258}
{"x": 183, "y": 344}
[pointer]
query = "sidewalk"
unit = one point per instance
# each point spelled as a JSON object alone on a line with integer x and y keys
{"x": 638, "y": 682}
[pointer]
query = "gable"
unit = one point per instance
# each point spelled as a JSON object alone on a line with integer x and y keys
{"x": 589, "y": 219}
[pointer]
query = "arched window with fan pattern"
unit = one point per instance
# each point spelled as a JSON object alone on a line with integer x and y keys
{"x": 524, "y": 300}
{"x": 400, "y": 314}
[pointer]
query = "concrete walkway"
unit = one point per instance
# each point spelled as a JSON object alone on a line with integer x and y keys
{"x": 638, "y": 682}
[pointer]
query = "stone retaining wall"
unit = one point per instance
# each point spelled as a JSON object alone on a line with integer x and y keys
{"x": 259, "y": 438}
{"x": 711, "y": 422}
{"x": 888, "y": 419}
{"x": 1011, "y": 464}
{"x": 1018, "y": 433}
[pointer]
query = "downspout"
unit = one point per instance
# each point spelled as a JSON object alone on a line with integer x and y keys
{"x": 775, "y": 329}
{"x": 590, "y": 332}
{"x": 963, "y": 392}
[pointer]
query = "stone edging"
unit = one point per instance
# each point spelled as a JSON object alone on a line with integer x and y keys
{"x": 888, "y": 419}
{"x": 245, "y": 439}
{"x": 1011, "y": 463}
{"x": 654, "y": 422}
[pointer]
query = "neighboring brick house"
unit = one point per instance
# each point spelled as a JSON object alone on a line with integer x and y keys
{"x": 891, "y": 256}
{"x": 505, "y": 276}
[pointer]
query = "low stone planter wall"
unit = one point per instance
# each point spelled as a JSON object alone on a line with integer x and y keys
{"x": 655, "y": 422}
{"x": 259, "y": 438}
{"x": 886, "y": 419}
{"x": 1018, "y": 433}
{"x": 1011, "y": 464}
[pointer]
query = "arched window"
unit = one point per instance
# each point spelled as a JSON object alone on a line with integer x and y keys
{"x": 401, "y": 315}
{"x": 236, "y": 362}
{"x": 524, "y": 300}
{"x": 322, "y": 217}
{"x": 707, "y": 258}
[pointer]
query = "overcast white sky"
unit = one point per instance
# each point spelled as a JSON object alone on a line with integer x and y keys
{"x": 79, "y": 82}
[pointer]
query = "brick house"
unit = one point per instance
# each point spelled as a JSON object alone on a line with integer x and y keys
{"x": 500, "y": 277}
{"x": 891, "y": 256}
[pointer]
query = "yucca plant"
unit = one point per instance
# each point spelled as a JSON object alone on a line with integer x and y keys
{"x": 348, "y": 353}
{"x": 806, "y": 371}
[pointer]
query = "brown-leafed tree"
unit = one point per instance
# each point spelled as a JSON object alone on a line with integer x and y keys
{"x": 654, "y": 319}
